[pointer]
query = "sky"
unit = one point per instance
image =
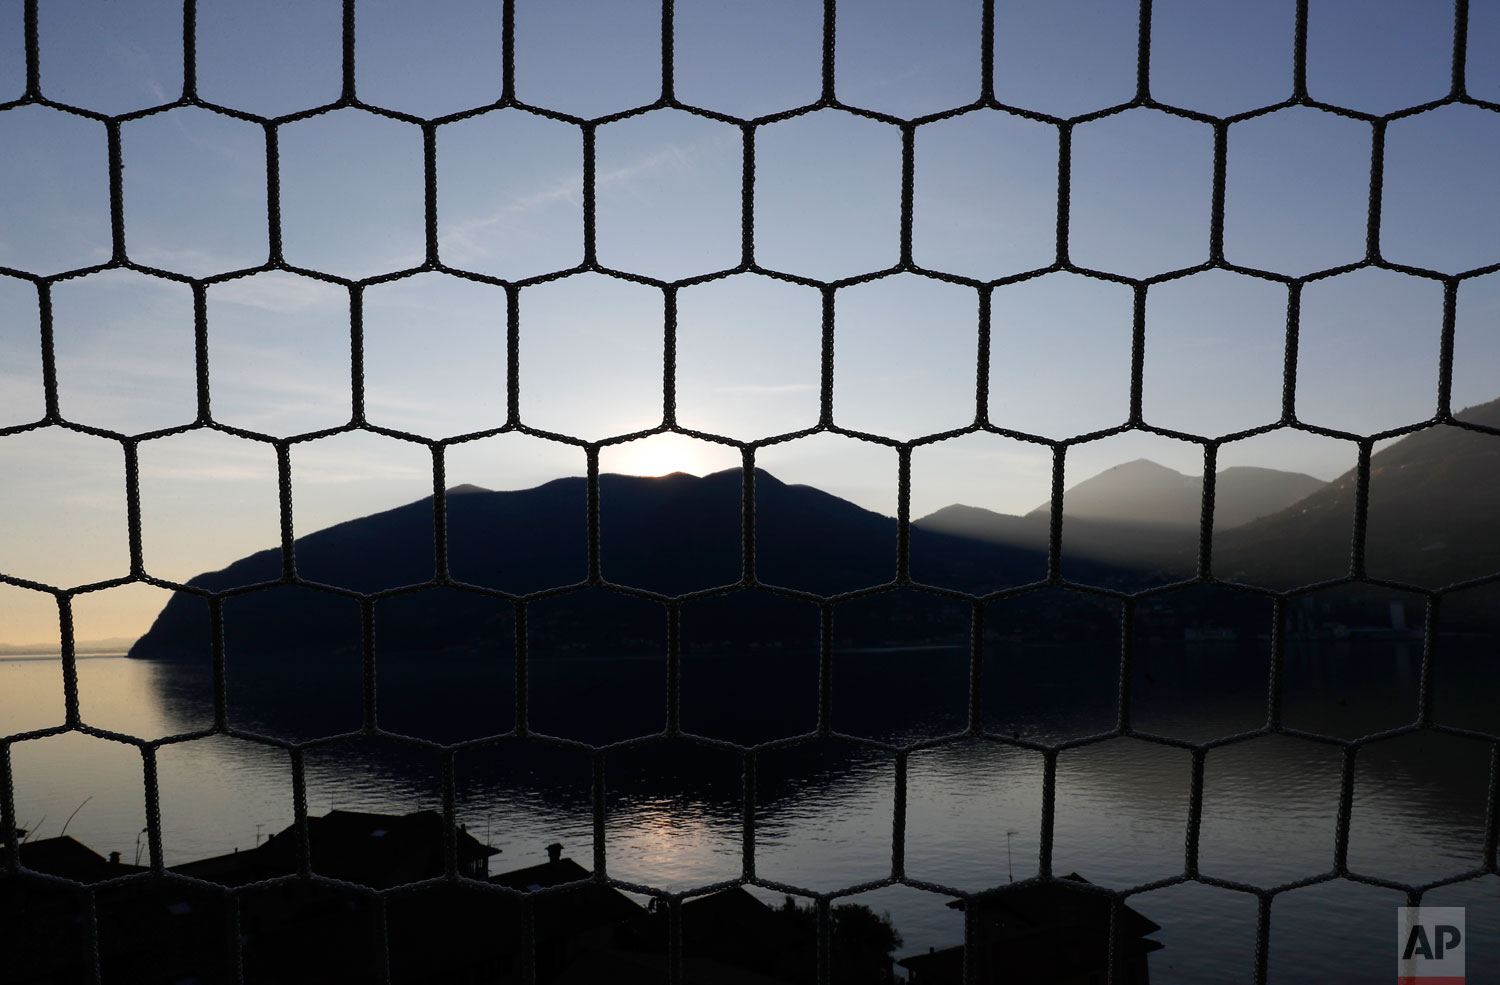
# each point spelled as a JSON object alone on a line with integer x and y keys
{"x": 827, "y": 193}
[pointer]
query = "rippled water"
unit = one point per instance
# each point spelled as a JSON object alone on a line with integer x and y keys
{"x": 825, "y": 813}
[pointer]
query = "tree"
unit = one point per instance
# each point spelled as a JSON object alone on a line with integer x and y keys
{"x": 863, "y": 941}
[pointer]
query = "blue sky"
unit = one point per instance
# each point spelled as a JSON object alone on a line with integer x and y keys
{"x": 827, "y": 191}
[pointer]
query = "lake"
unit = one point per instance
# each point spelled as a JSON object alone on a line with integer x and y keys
{"x": 825, "y": 811}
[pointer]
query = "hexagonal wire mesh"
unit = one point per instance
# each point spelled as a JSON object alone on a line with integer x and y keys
{"x": 1283, "y": 601}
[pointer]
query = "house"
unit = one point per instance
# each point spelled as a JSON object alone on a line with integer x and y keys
{"x": 68, "y": 858}
{"x": 728, "y": 938}
{"x": 375, "y": 850}
{"x": 587, "y": 932}
{"x": 582, "y": 924}
{"x": 945, "y": 967}
{"x": 294, "y": 931}
{"x": 1043, "y": 933}
{"x": 639, "y": 968}
{"x": 734, "y": 927}
{"x": 556, "y": 871}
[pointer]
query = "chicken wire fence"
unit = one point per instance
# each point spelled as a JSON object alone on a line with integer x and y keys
{"x": 986, "y": 99}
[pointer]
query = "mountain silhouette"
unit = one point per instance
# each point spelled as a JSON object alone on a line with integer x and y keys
{"x": 1431, "y": 522}
{"x": 671, "y": 535}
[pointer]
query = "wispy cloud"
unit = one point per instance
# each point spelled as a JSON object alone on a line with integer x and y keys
{"x": 466, "y": 238}
{"x": 754, "y": 388}
{"x": 465, "y": 241}
{"x": 190, "y": 261}
{"x": 677, "y": 156}
{"x": 278, "y": 291}
{"x": 138, "y": 63}
{"x": 207, "y": 456}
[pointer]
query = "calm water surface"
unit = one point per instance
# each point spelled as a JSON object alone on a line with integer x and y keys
{"x": 824, "y": 812}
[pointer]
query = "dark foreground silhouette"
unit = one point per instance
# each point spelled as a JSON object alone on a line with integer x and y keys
{"x": 549, "y": 922}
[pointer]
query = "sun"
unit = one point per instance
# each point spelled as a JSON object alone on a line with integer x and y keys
{"x": 663, "y": 454}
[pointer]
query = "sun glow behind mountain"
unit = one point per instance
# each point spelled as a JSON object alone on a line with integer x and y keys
{"x": 663, "y": 454}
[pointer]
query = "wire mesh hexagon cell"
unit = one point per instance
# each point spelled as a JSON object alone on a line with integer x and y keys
{"x": 1145, "y": 242}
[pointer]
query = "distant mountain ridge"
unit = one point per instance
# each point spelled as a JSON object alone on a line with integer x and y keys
{"x": 1138, "y": 515}
{"x": 1144, "y": 492}
{"x": 1432, "y": 518}
{"x": 112, "y": 644}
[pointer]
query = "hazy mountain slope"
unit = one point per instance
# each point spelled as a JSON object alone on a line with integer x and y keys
{"x": 1243, "y": 493}
{"x": 1143, "y": 492}
{"x": 981, "y": 524}
{"x": 1139, "y": 515}
{"x": 1133, "y": 492}
{"x": 1433, "y": 517}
